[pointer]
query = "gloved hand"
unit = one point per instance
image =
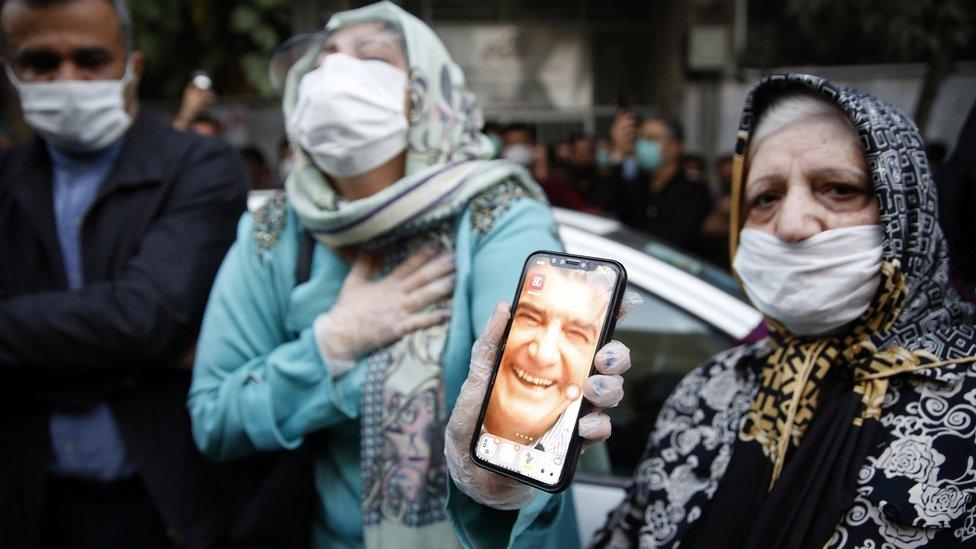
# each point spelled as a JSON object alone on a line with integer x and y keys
{"x": 603, "y": 390}
{"x": 369, "y": 314}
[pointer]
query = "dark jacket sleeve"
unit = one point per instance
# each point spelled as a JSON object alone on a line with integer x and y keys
{"x": 695, "y": 208}
{"x": 149, "y": 313}
{"x": 609, "y": 192}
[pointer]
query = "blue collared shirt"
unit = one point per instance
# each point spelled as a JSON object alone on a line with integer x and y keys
{"x": 86, "y": 441}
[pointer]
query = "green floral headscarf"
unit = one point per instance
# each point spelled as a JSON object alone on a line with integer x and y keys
{"x": 444, "y": 134}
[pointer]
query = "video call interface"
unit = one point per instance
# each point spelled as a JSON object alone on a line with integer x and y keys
{"x": 538, "y": 390}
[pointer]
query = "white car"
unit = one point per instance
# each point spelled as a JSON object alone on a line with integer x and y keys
{"x": 690, "y": 311}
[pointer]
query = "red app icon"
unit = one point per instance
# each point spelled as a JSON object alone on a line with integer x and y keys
{"x": 537, "y": 281}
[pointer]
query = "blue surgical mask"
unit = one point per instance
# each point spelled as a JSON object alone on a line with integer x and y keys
{"x": 648, "y": 154}
{"x": 603, "y": 159}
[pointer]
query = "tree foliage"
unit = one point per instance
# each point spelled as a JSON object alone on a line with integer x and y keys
{"x": 903, "y": 29}
{"x": 838, "y": 32}
{"x": 231, "y": 39}
{"x": 937, "y": 31}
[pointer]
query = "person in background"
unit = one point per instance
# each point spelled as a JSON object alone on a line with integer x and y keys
{"x": 112, "y": 227}
{"x": 519, "y": 144}
{"x": 693, "y": 166}
{"x": 583, "y": 150}
{"x": 207, "y": 125}
{"x": 603, "y": 162}
{"x": 648, "y": 190}
{"x": 258, "y": 171}
{"x": 623, "y": 137}
{"x": 714, "y": 240}
{"x": 582, "y": 170}
{"x": 519, "y": 147}
{"x": 342, "y": 321}
{"x": 4, "y": 141}
{"x": 723, "y": 175}
{"x": 851, "y": 425}
{"x": 562, "y": 153}
{"x": 198, "y": 97}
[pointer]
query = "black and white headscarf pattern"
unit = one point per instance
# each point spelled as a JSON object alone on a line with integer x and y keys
{"x": 917, "y": 485}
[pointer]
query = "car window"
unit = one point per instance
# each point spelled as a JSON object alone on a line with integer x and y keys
{"x": 665, "y": 344}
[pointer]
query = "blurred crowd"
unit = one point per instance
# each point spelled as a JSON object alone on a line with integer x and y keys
{"x": 196, "y": 114}
{"x": 640, "y": 173}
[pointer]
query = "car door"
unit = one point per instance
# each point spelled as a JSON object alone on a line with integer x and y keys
{"x": 666, "y": 343}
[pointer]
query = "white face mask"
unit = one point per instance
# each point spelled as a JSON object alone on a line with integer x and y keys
{"x": 815, "y": 286}
{"x": 519, "y": 154}
{"x": 350, "y": 114}
{"x": 76, "y": 115}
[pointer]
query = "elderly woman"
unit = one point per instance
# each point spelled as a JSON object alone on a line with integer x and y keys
{"x": 348, "y": 306}
{"x": 853, "y": 424}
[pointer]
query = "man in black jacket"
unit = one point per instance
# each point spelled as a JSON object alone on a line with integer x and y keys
{"x": 112, "y": 227}
{"x": 647, "y": 188}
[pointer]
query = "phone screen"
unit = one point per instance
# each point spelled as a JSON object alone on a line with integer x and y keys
{"x": 556, "y": 327}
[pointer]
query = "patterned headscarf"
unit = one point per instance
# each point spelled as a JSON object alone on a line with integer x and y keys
{"x": 906, "y": 197}
{"x": 915, "y": 317}
{"x": 445, "y": 121}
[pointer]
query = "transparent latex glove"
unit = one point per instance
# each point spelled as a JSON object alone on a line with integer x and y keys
{"x": 369, "y": 314}
{"x": 603, "y": 390}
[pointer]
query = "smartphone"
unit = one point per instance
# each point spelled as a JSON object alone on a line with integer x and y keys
{"x": 565, "y": 309}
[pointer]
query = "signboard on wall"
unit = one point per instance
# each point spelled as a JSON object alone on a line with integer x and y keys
{"x": 523, "y": 66}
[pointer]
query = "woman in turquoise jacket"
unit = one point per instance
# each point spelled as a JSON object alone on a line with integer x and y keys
{"x": 416, "y": 239}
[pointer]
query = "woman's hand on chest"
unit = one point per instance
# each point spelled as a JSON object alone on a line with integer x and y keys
{"x": 370, "y": 313}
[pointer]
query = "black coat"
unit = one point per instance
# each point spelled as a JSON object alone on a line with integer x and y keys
{"x": 151, "y": 245}
{"x": 674, "y": 213}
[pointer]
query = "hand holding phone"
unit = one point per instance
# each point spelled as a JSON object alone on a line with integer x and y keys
{"x": 540, "y": 370}
{"x": 483, "y": 486}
